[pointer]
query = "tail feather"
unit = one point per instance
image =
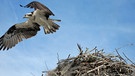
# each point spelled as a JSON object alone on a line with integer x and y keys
{"x": 50, "y": 26}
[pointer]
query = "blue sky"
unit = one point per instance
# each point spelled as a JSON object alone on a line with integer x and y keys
{"x": 107, "y": 24}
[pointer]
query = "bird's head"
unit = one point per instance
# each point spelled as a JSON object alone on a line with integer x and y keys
{"x": 28, "y": 15}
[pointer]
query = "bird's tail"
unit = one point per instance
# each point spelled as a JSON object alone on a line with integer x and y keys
{"x": 51, "y": 26}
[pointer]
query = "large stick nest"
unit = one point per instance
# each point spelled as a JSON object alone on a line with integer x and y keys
{"x": 93, "y": 63}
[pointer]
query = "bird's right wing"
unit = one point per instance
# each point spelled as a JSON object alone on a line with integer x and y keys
{"x": 16, "y": 33}
{"x": 37, "y": 5}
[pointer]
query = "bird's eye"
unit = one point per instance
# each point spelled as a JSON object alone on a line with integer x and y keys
{"x": 32, "y": 12}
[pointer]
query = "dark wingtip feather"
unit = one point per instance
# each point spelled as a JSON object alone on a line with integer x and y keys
{"x": 21, "y": 5}
{"x": 1, "y": 43}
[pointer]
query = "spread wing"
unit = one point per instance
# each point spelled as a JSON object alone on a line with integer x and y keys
{"x": 37, "y": 5}
{"x": 16, "y": 33}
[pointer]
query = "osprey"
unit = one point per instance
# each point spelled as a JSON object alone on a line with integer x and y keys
{"x": 18, "y": 32}
{"x": 41, "y": 16}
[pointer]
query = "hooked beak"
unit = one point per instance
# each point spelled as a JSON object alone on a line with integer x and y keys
{"x": 24, "y": 16}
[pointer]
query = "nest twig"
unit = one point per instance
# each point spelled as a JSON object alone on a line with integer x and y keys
{"x": 89, "y": 63}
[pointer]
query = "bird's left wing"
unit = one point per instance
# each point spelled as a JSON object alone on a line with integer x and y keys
{"x": 16, "y": 33}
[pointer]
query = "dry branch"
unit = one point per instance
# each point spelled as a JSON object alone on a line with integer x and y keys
{"x": 89, "y": 63}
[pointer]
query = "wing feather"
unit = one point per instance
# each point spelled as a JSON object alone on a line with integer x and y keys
{"x": 15, "y": 35}
{"x": 37, "y": 5}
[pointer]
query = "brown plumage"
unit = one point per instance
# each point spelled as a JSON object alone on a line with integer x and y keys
{"x": 49, "y": 25}
{"x": 17, "y": 33}
{"x": 41, "y": 15}
{"x": 37, "y": 5}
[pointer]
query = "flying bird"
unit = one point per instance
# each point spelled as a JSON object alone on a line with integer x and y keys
{"x": 38, "y": 17}
{"x": 18, "y": 32}
{"x": 41, "y": 16}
